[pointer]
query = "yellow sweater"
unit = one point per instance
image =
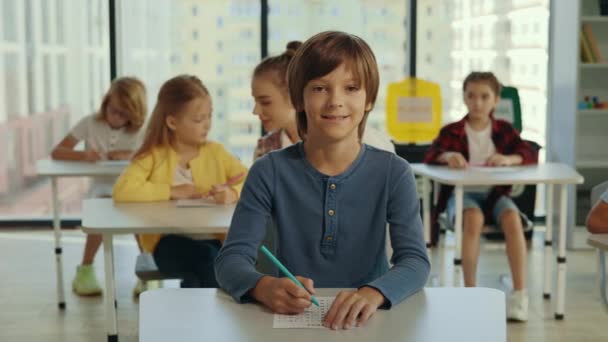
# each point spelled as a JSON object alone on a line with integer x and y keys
{"x": 149, "y": 178}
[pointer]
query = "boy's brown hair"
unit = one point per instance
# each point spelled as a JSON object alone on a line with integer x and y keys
{"x": 487, "y": 77}
{"x": 320, "y": 55}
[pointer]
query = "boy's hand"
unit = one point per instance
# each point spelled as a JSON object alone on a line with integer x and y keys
{"x": 502, "y": 160}
{"x": 282, "y": 295}
{"x": 353, "y": 308}
{"x": 92, "y": 156}
{"x": 455, "y": 160}
{"x": 223, "y": 194}
{"x": 184, "y": 191}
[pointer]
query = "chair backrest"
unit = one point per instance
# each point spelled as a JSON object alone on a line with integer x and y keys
{"x": 597, "y": 191}
{"x": 509, "y": 107}
{"x": 413, "y": 110}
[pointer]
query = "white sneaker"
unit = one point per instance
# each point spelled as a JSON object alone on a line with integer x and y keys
{"x": 517, "y": 306}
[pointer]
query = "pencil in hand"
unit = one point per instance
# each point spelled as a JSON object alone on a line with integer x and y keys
{"x": 285, "y": 271}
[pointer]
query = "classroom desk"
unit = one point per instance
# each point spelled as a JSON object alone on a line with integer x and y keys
{"x": 55, "y": 169}
{"x": 550, "y": 174}
{"x": 103, "y": 216}
{"x": 600, "y": 241}
{"x": 433, "y": 314}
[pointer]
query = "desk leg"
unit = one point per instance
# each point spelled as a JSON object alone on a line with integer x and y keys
{"x": 110, "y": 295}
{"x": 548, "y": 250}
{"x": 601, "y": 254}
{"x": 426, "y": 213}
{"x": 561, "y": 257}
{"x": 459, "y": 193}
{"x": 426, "y": 220}
{"x": 58, "y": 250}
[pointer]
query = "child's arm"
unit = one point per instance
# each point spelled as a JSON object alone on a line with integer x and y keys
{"x": 282, "y": 295}
{"x": 235, "y": 264}
{"x": 454, "y": 160}
{"x": 119, "y": 155}
{"x": 134, "y": 185}
{"x": 65, "y": 151}
{"x": 504, "y": 160}
{"x": 443, "y": 150}
{"x": 236, "y": 173}
{"x": 518, "y": 151}
{"x": 411, "y": 263}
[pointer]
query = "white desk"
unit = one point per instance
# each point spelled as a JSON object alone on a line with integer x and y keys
{"x": 600, "y": 241}
{"x": 103, "y": 216}
{"x": 550, "y": 174}
{"x": 433, "y": 314}
{"x": 55, "y": 169}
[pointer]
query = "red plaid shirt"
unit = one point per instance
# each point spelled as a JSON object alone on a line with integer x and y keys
{"x": 453, "y": 138}
{"x": 268, "y": 143}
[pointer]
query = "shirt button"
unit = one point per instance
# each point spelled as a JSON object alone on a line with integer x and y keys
{"x": 331, "y": 212}
{"x": 332, "y": 186}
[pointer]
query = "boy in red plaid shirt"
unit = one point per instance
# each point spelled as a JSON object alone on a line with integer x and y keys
{"x": 481, "y": 140}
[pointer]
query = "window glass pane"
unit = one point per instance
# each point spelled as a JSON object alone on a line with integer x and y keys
{"x": 507, "y": 38}
{"x": 379, "y": 23}
{"x": 158, "y": 43}
{"x": 9, "y": 23}
{"x": 46, "y": 86}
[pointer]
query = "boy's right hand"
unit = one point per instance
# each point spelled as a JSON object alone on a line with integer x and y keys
{"x": 92, "y": 156}
{"x": 282, "y": 295}
{"x": 455, "y": 160}
{"x": 185, "y": 191}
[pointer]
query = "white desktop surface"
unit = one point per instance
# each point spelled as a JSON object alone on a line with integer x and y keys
{"x": 58, "y": 168}
{"x": 547, "y": 173}
{"x": 433, "y": 314}
{"x": 103, "y": 215}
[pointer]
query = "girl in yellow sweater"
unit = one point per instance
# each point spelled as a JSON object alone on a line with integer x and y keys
{"x": 176, "y": 161}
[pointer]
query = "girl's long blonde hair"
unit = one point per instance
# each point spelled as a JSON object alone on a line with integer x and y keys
{"x": 173, "y": 96}
{"x": 131, "y": 94}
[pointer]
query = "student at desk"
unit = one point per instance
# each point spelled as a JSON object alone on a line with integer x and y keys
{"x": 330, "y": 196}
{"x": 111, "y": 133}
{"x": 479, "y": 139}
{"x": 176, "y": 161}
{"x": 597, "y": 220}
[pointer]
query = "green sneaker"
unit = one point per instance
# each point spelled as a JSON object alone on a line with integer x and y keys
{"x": 142, "y": 286}
{"x": 85, "y": 283}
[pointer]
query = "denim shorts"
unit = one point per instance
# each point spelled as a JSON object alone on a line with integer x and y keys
{"x": 475, "y": 200}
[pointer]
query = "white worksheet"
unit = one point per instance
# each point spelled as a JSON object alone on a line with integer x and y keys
{"x": 198, "y": 202}
{"x": 311, "y": 318}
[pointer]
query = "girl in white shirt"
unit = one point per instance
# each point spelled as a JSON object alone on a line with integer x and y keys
{"x": 109, "y": 134}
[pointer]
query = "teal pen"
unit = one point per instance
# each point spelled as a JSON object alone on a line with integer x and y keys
{"x": 283, "y": 269}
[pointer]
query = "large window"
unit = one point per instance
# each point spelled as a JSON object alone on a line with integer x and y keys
{"x": 54, "y": 64}
{"x": 380, "y": 23}
{"x": 509, "y": 38}
{"x": 219, "y": 41}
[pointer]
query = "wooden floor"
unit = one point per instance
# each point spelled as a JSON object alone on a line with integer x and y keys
{"x": 29, "y": 309}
